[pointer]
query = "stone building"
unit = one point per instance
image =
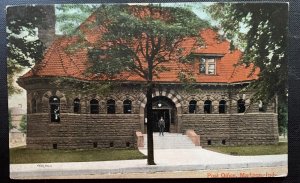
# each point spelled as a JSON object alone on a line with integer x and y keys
{"x": 216, "y": 110}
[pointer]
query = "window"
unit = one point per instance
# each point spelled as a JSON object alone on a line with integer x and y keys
{"x": 222, "y": 106}
{"x": 94, "y": 105}
{"x": 76, "y": 105}
{"x": 192, "y": 106}
{"x": 207, "y": 66}
{"x": 127, "y": 107}
{"x": 207, "y": 107}
{"x": 202, "y": 68}
{"x": 241, "y": 106}
{"x": 95, "y": 144}
{"x": 224, "y": 142}
{"x": 54, "y": 109}
{"x": 211, "y": 68}
{"x": 262, "y": 107}
{"x": 209, "y": 142}
{"x": 33, "y": 106}
{"x": 111, "y": 107}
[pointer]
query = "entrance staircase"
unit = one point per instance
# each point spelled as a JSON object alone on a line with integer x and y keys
{"x": 170, "y": 141}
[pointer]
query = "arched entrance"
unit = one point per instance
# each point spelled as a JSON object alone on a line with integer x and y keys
{"x": 164, "y": 107}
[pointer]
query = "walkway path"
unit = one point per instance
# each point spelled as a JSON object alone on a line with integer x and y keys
{"x": 167, "y": 160}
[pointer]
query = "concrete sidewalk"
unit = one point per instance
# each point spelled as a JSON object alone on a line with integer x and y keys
{"x": 167, "y": 160}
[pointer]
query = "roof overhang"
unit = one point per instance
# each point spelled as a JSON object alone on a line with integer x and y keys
{"x": 209, "y": 54}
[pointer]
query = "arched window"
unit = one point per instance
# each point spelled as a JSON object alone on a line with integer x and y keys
{"x": 76, "y": 105}
{"x": 192, "y": 106}
{"x": 241, "y": 106}
{"x": 127, "y": 107}
{"x": 33, "y": 106}
{"x": 222, "y": 106}
{"x": 54, "y": 109}
{"x": 94, "y": 105}
{"x": 262, "y": 107}
{"x": 111, "y": 106}
{"x": 207, "y": 107}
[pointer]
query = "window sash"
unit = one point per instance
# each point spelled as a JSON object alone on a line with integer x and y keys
{"x": 76, "y": 106}
{"x": 111, "y": 108}
{"x": 127, "y": 109}
{"x": 55, "y": 112}
{"x": 192, "y": 108}
{"x": 94, "y": 107}
{"x": 211, "y": 69}
{"x": 207, "y": 66}
{"x": 202, "y": 68}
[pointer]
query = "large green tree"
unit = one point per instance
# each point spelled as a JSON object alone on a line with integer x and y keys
{"x": 260, "y": 30}
{"x": 11, "y": 126}
{"x": 70, "y": 16}
{"x": 23, "y": 124}
{"x": 139, "y": 40}
{"x": 24, "y": 48}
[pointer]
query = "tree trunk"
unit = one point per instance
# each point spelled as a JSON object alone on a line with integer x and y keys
{"x": 150, "y": 124}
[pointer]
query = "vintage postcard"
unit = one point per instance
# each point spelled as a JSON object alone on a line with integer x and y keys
{"x": 138, "y": 90}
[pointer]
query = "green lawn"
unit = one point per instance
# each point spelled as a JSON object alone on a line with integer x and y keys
{"x": 280, "y": 148}
{"x": 23, "y": 155}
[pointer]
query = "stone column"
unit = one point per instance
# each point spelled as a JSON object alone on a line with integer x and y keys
{"x": 119, "y": 107}
{"x": 215, "y": 107}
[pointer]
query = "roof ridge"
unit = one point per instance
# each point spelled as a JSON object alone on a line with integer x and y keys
{"x": 42, "y": 64}
{"x": 61, "y": 60}
{"x": 72, "y": 60}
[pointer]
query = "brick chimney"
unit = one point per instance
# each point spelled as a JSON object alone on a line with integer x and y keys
{"x": 47, "y": 33}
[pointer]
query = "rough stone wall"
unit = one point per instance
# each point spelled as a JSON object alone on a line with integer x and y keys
{"x": 82, "y": 131}
{"x": 212, "y": 127}
{"x": 233, "y": 129}
{"x": 253, "y": 128}
{"x": 85, "y": 130}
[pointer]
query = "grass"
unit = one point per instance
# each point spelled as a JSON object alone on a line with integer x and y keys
{"x": 280, "y": 148}
{"x": 24, "y": 155}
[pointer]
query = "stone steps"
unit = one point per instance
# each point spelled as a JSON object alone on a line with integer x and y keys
{"x": 170, "y": 141}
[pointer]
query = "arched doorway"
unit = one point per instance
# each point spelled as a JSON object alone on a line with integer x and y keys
{"x": 163, "y": 107}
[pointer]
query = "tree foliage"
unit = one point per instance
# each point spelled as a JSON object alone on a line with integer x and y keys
{"x": 24, "y": 48}
{"x": 139, "y": 40}
{"x": 70, "y": 16}
{"x": 10, "y": 120}
{"x": 282, "y": 118}
{"x": 264, "y": 45}
{"x": 23, "y": 124}
{"x": 84, "y": 87}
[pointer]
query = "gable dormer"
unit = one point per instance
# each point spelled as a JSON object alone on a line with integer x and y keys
{"x": 208, "y": 63}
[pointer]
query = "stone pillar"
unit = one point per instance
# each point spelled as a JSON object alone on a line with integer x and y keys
{"x": 179, "y": 124}
{"x": 102, "y": 107}
{"x": 200, "y": 107}
{"x": 215, "y": 107}
{"x": 119, "y": 107}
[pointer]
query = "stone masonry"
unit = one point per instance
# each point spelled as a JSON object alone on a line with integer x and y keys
{"x": 85, "y": 130}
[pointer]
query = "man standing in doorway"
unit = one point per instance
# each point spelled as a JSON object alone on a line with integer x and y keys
{"x": 161, "y": 125}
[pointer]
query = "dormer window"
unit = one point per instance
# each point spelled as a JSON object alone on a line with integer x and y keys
{"x": 207, "y": 66}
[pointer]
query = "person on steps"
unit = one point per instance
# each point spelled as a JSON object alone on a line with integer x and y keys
{"x": 161, "y": 125}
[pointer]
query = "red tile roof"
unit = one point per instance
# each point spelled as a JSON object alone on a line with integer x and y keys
{"x": 58, "y": 63}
